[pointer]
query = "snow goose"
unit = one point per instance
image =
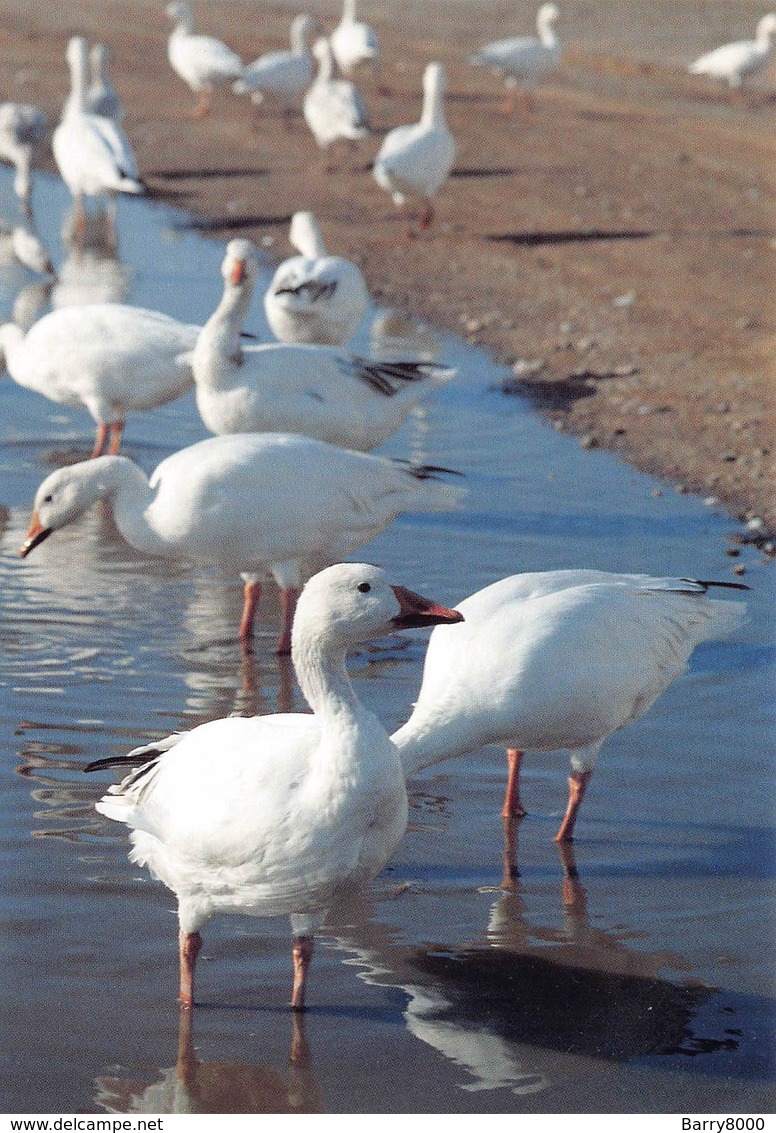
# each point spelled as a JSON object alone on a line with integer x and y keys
{"x": 279, "y": 815}
{"x": 282, "y": 75}
{"x": 526, "y": 59}
{"x": 354, "y": 43}
{"x": 333, "y": 108}
{"x": 201, "y": 61}
{"x": 93, "y": 154}
{"x": 734, "y": 61}
{"x": 247, "y": 504}
{"x": 414, "y": 161}
{"x": 23, "y": 130}
{"x": 315, "y": 297}
{"x": 21, "y": 244}
{"x": 101, "y": 97}
{"x": 557, "y": 660}
{"x": 320, "y": 391}
{"x": 104, "y": 357}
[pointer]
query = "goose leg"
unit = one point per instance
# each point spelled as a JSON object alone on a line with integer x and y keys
{"x": 202, "y": 109}
{"x": 251, "y": 596}
{"x": 189, "y": 944}
{"x": 301, "y": 954}
{"x": 288, "y": 597}
{"x": 100, "y": 440}
{"x": 513, "y": 808}
{"x": 116, "y": 429}
{"x": 578, "y": 781}
{"x": 426, "y": 215}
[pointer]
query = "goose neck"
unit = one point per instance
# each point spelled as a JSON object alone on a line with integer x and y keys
{"x": 766, "y": 30}
{"x": 433, "y": 105}
{"x": 222, "y": 332}
{"x": 322, "y": 676}
{"x": 127, "y": 488}
{"x": 325, "y": 66}
{"x": 79, "y": 79}
{"x": 349, "y": 11}
{"x": 548, "y": 36}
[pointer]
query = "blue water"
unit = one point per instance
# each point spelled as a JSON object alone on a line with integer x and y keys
{"x": 645, "y": 982}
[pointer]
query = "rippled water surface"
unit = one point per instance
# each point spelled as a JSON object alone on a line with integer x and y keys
{"x": 633, "y": 973}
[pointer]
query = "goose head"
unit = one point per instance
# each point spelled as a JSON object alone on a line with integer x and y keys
{"x": 62, "y": 497}
{"x": 548, "y": 14}
{"x": 302, "y": 29}
{"x": 352, "y": 603}
{"x": 766, "y": 28}
{"x": 240, "y": 266}
{"x": 180, "y": 14}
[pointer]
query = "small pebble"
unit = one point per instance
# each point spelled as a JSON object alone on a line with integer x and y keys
{"x": 755, "y": 524}
{"x": 711, "y": 501}
{"x": 739, "y": 568}
{"x": 626, "y": 300}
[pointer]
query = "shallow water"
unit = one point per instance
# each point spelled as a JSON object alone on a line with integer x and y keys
{"x": 633, "y": 973}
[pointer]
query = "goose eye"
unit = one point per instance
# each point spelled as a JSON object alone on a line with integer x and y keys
{"x": 47, "y": 499}
{"x": 364, "y": 587}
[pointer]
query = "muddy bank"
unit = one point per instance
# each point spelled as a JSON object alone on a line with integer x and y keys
{"x": 616, "y": 242}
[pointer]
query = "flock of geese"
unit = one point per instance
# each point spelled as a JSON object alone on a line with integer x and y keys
{"x": 280, "y": 814}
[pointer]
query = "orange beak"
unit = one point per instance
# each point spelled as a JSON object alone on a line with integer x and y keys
{"x": 36, "y": 534}
{"x": 418, "y": 611}
{"x": 238, "y": 272}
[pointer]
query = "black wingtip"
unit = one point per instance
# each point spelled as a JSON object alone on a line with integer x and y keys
{"x": 707, "y": 583}
{"x": 120, "y": 761}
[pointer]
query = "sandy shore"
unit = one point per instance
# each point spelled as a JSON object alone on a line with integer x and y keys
{"x": 616, "y": 244}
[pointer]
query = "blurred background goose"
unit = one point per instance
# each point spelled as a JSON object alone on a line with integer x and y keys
{"x": 354, "y": 43}
{"x": 102, "y": 97}
{"x": 315, "y": 297}
{"x": 733, "y": 62}
{"x": 415, "y": 161}
{"x": 23, "y": 131}
{"x": 333, "y": 108}
{"x": 201, "y": 61}
{"x": 282, "y": 75}
{"x": 524, "y": 59}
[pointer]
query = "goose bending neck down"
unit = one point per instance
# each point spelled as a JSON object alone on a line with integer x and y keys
{"x": 557, "y": 660}
{"x": 279, "y": 815}
{"x": 226, "y": 502}
{"x": 317, "y": 390}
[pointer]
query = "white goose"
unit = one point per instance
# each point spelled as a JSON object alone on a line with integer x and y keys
{"x": 525, "y": 59}
{"x": 320, "y": 391}
{"x": 247, "y": 504}
{"x": 354, "y": 43}
{"x": 279, "y": 815}
{"x": 333, "y": 108}
{"x": 414, "y": 161}
{"x": 93, "y": 154}
{"x": 201, "y": 61}
{"x": 282, "y": 75}
{"x": 104, "y": 357}
{"x": 557, "y": 660}
{"x": 735, "y": 61}
{"x": 102, "y": 97}
{"x": 315, "y": 297}
{"x": 23, "y": 130}
{"x": 21, "y": 244}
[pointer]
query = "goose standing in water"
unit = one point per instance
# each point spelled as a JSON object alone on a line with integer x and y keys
{"x": 557, "y": 660}
{"x": 23, "y": 130}
{"x": 414, "y": 161}
{"x": 320, "y": 391}
{"x": 93, "y": 154}
{"x": 201, "y": 61}
{"x": 279, "y": 815}
{"x": 247, "y": 504}
{"x": 733, "y": 62}
{"x": 107, "y": 358}
{"x": 315, "y": 297}
{"x": 526, "y": 59}
{"x": 282, "y": 75}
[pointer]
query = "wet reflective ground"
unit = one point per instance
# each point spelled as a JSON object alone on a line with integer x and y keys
{"x": 634, "y": 973}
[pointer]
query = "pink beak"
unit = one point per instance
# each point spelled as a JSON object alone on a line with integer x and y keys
{"x": 238, "y": 272}
{"x": 36, "y": 534}
{"x": 418, "y": 611}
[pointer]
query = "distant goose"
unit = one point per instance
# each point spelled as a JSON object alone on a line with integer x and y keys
{"x": 101, "y": 97}
{"x": 201, "y": 61}
{"x": 23, "y": 130}
{"x": 279, "y": 815}
{"x": 735, "y": 61}
{"x": 524, "y": 60}
{"x": 557, "y": 660}
{"x": 333, "y": 108}
{"x": 354, "y": 43}
{"x": 105, "y": 357}
{"x": 93, "y": 154}
{"x": 415, "y": 161}
{"x": 247, "y": 504}
{"x": 320, "y": 391}
{"x": 282, "y": 75}
{"x": 315, "y": 297}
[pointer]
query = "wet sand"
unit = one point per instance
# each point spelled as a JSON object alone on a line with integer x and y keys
{"x": 619, "y": 237}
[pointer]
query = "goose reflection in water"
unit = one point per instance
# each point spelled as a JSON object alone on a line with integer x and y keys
{"x": 92, "y": 271}
{"x": 530, "y": 1005}
{"x": 193, "y": 1086}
